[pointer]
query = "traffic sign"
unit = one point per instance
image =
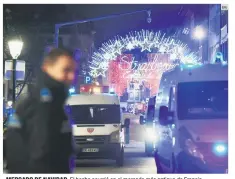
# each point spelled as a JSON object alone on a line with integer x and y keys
{"x": 20, "y": 70}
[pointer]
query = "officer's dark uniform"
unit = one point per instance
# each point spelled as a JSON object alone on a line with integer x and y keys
{"x": 42, "y": 141}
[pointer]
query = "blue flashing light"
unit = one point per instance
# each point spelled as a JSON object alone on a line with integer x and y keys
{"x": 10, "y": 111}
{"x": 72, "y": 90}
{"x": 220, "y": 149}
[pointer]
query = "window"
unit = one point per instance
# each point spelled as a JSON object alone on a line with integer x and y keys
{"x": 94, "y": 114}
{"x": 203, "y": 100}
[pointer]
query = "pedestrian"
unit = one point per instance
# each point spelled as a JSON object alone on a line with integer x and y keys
{"x": 39, "y": 138}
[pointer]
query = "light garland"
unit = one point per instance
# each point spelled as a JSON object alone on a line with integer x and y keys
{"x": 123, "y": 70}
{"x": 145, "y": 40}
{"x": 157, "y": 63}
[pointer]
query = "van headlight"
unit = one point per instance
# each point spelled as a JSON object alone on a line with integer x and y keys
{"x": 115, "y": 137}
{"x": 220, "y": 149}
{"x": 150, "y": 135}
{"x": 192, "y": 149}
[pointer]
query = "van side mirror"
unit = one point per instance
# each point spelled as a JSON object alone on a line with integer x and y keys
{"x": 127, "y": 122}
{"x": 142, "y": 121}
{"x": 164, "y": 114}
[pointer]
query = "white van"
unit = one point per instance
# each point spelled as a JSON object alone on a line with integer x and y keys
{"x": 192, "y": 105}
{"x": 97, "y": 126}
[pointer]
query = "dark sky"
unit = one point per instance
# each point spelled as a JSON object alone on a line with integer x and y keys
{"x": 26, "y": 16}
{"x": 163, "y": 16}
{"x": 53, "y": 13}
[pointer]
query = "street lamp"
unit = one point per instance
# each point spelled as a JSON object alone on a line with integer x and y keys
{"x": 199, "y": 33}
{"x": 15, "y": 47}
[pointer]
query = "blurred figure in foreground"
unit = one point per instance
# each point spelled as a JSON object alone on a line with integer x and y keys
{"x": 39, "y": 138}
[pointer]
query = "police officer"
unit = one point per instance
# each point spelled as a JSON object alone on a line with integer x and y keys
{"x": 39, "y": 138}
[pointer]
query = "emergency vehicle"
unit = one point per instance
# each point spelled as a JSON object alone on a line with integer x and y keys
{"x": 148, "y": 122}
{"x": 98, "y": 126}
{"x": 192, "y": 104}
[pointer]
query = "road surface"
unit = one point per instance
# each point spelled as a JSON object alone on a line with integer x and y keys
{"x": 136, "y": 162}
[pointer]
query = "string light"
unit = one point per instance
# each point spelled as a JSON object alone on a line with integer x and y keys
{"x": 130, "y": 46}
{"x": 146, "y": 41}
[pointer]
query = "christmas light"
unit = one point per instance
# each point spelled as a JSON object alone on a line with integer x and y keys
{"x": 146, "y": 41}
{"x": 117, "y": 47}
{"x": 122, "y": 72}
{"x": 130, "y": 46}
{"x": 173, "y": 56}
{"x": 157, "y": 63}
{"x": 199, "y": 33}
{"x": 162, "y": 49}
{"x": 146, "y": 45}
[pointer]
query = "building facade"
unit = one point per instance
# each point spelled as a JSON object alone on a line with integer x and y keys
{"x": 218, "y": 31}
{"x": 224, "y": 32}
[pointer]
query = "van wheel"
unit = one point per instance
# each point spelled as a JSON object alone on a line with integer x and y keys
{"x": 174, "y": 164}
{"x": 178, "y": 163}
{"x": 148, "y": 150}
{"x": 158, "y": 163}
{"x": 149, "y": 153}
{"x": 120, "y": 158}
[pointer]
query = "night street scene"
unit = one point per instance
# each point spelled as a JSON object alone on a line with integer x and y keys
{"x": 115, "y": 89}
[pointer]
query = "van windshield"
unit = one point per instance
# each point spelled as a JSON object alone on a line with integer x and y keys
{"x": 94, "y": 114}
{"x": 203, "y": 100}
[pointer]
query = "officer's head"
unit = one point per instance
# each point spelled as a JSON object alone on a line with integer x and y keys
{"x": 60, "y": 66}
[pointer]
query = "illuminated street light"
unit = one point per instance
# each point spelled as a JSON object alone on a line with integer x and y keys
{"x": 9, "y": 103}
{"x": 15, "y": 47}
{"x": 199, "y": 33}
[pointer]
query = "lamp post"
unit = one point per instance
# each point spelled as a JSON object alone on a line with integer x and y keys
{"x": 199, "y": 34}
{"x": 15, "y": 47}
